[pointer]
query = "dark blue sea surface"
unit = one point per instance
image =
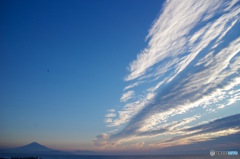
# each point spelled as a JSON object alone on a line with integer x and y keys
{"x": 147, "y": 157}
{"x": 126, "y": 157}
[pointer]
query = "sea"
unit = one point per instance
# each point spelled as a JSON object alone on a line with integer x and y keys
{"x": 7, "y": 156}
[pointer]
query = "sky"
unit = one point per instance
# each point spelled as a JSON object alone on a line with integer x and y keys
{"x": 139, "y": 77}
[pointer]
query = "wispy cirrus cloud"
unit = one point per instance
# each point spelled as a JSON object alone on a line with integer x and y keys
{"x": 126, "y": 96}
{"x": 192, "y": 61}
{"x": 215, "y": 129}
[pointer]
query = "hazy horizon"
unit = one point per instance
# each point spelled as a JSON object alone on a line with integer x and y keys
{"x": 140, "y": 77}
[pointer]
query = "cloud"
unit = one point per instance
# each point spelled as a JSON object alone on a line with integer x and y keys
{"x": 215, "y": 129}
{"x": 110, "y": 115}
{"x": 126, "y": 96}
{"x": 218, "y": 124}
{"x": 111, "y": 110}
{"x": 101, "y": 140}
{"x": 168, "y": 34}
{"x": 108, "y": 120}
{"x": 132, "y": 85}
{"x": 139, "y": 145}
{"x": 201, "y": 137}
{"x": 191, "y": 62}
{"x": 186, "y": 94}
{"x": 172, "y": 127}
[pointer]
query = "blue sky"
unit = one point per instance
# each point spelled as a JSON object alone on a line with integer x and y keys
{"x": 119, "y": 75}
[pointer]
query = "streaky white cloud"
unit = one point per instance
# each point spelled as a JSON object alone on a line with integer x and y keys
{"x": 196, "y": 138}
{"x": 111, "y": 110}
{"x": 173, "y": 127}
{"x": 192, "y": 61}
{"x": 110, "y": 115}
{"x": 126, "y": 96}
{"x": 132, "y": 85}
{"x": 129, "y": 110}
{"x": 201, "y": 133}
{"x": 173, "y": 103}
{"x": 179, "y": 125}
{"x": 108, "y": 120}
{"x": 168, "y": 34}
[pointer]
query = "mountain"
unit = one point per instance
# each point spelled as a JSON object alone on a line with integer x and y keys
{"x": 32, "y": 148}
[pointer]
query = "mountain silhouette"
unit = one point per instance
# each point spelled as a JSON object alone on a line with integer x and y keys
{"x": 32, "y": 148}
{"x": 35, "y": 148}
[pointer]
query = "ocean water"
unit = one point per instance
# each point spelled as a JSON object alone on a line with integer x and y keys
{"x": 147, "y": 157}
{"x": 129, "y": 157}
